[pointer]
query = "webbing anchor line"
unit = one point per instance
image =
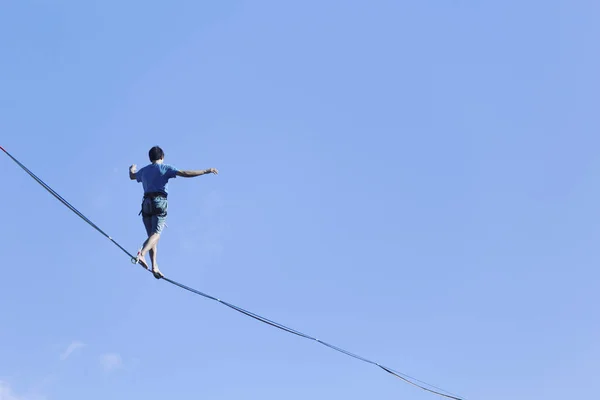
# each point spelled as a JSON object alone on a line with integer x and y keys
{"x": 406, "y": 378}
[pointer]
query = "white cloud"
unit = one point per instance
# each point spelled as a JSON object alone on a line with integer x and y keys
{"x": 74, "y": 346}
{"x": 6, "y": 393}
{"x": 110, "y": 361}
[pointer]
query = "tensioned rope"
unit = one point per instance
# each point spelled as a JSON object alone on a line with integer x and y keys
{"x": 406, "y": 378}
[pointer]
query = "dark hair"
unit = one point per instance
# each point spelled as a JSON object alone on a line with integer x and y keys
{"x": 156, "y": 153}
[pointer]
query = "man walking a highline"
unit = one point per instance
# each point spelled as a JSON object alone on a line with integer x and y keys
{"x": 154, "y": 178}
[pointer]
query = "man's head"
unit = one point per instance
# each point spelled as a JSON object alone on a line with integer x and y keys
{"x": 156, "y": 154}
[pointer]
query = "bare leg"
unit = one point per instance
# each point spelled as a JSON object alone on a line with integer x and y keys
{"x": 153, "y": 255}
{"x": 155, "y": 270}
{"x": 151, "y": 245}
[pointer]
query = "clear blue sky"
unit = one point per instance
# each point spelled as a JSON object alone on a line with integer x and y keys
{"x": 414, "y": 181}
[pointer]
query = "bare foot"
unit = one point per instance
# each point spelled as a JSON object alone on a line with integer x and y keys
{"x": 156, "y": 272}
{"x": 141, "y": 261}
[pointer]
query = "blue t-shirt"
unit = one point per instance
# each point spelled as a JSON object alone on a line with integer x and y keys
{"x": 155, "y": 177}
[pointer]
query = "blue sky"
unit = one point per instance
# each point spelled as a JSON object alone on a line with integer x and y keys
{"x": 412, "y": 181}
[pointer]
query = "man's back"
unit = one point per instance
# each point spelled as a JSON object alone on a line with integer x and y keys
{"x": 155, "y": 177}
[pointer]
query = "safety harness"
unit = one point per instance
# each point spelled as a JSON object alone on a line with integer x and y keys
{"x": 155, "y": 210}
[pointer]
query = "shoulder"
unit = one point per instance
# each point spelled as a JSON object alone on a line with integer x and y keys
{"x": 169, "y": 171}
{"x": 169, "y": 168}
{"x": 140, "y": 173}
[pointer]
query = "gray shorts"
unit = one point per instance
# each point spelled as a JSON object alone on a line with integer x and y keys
{"x": 154, "y": 214}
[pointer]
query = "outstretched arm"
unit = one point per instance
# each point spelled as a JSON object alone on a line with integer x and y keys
{"x": 193, "y": 173}
{"x": 132, "y": 172}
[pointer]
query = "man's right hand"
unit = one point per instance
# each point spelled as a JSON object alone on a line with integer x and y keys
{"x": 132, "y": 171}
